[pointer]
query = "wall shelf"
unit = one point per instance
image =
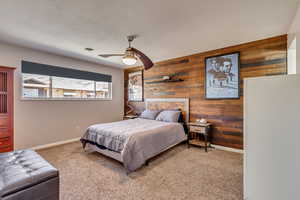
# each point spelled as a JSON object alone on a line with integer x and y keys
{"x": 165, "y": 81}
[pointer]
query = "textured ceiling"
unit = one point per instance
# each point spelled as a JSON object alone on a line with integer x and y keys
{"x": 166, "y": 28}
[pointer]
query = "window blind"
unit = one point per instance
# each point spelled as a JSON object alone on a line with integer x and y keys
{"x": 49, "y": 70}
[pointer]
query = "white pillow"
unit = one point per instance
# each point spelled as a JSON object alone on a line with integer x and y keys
{"x": 149, "y": 114}
{"x": 168, "y": 116}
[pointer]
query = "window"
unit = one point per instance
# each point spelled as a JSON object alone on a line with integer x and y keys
{"x": 103, "y": 90}
{"x": 72, "y": 88}
{"x": 63, "y": 83}
{"x": 37, "y": 86}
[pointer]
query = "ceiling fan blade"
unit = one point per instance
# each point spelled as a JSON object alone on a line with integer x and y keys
{"x": 144, "y": 59}
{"x": 109, "y": 55}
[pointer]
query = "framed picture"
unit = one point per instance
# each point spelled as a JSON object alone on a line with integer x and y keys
{"x": 136, "y": 86}
{"x": 222, "y": 76}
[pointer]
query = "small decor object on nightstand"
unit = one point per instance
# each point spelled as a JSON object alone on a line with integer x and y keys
{"x": 129, "y": 117}
{"x": 197, "y": 129}
{"x": 201, "y": 121}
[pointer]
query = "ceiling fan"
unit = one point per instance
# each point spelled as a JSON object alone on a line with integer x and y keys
{"x": 131, "y": 55}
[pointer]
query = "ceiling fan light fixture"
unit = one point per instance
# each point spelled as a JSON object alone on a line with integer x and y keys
{"x": 129, "y": 60}
{"x": 132, "y": 55}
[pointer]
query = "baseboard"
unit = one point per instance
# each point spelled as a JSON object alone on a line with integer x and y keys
{"x": 45, "y": 146}
{"x": 228, "y": 149}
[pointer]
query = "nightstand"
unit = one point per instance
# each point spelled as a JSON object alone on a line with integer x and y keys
{"x": 129, "y": 117}
{"x": 195, "y": 130}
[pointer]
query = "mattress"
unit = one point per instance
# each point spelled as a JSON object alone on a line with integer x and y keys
{"x": 136, "y": 140}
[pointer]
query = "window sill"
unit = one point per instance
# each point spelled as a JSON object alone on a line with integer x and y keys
{"x": 63, "y": 99}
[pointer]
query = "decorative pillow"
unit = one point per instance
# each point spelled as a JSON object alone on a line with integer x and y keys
{"x": 180, "y": 118}
{"x": 169, "y": 116}
{"x": 149, "y": 114}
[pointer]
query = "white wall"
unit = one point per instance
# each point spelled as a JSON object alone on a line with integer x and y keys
{"x": 298, "y": 52}
{"x": 294, "y": 49}
{"x": 292, "y": 54}
{"x": 43, "y": 122}
{"x": 271, "y": 138}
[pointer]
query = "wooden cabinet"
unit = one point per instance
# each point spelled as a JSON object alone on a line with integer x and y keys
{"x": 6, "y": 109}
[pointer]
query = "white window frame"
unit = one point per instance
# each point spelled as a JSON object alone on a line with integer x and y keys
{"x": 50, "y": 98}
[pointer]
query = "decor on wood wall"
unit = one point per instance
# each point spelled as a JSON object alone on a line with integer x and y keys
{"x": 166, "y": 79}
{"x": 136, "y": 86}
{"x": 222, "y": 76}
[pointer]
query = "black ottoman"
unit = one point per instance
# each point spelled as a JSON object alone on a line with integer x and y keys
{"x": 25, "y": 175}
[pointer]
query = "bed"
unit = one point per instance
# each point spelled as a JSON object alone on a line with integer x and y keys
{"x": 133, "y": 142}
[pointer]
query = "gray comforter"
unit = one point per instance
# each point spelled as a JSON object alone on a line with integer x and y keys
{"x": 136, "y": 140}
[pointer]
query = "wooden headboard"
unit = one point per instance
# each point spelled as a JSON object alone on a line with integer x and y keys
{"x": 170, "y": 103}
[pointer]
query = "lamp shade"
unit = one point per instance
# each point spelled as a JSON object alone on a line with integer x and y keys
{"x": 129, "y": 60}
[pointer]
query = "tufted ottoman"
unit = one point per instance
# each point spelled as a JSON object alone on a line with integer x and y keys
{"x": 25, "y": 175}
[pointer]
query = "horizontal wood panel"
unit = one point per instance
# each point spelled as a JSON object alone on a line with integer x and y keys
{"x": 4, "y": 132}
{"x": 259, "y": 58}
{"x": 4, "y": 122}
{"x": 5, "y": 141}
{"x": 6, "y": 148}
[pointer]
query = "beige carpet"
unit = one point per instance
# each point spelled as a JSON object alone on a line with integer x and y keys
{"x": 180, "y": 173}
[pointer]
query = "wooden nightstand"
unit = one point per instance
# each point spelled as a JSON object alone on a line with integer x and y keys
{"x": 194, "y": 132}
{"x": 129, "y": 117}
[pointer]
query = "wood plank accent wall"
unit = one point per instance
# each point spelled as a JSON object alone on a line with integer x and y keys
{"x": 266, "y": 57}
